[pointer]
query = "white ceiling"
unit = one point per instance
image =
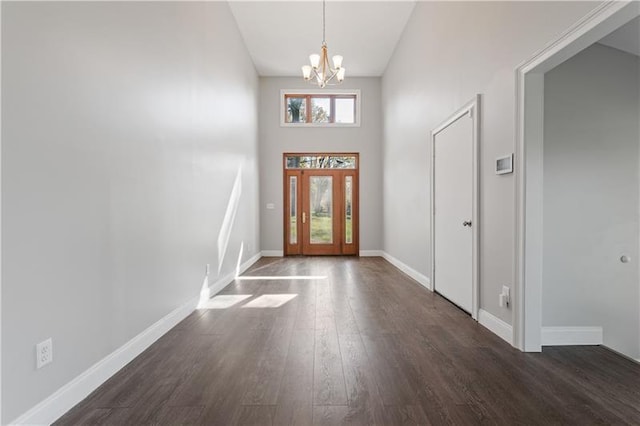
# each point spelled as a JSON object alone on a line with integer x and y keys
{"x": 280, "y": 35}
{"x": 626, "y": 38}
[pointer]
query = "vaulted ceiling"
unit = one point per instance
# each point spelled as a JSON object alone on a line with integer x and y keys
{"x": 280, "y": 35}
{"x": 626, "y": 38}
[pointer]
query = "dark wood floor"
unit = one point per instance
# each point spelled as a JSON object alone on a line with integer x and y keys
{"x": 365, "y": 345}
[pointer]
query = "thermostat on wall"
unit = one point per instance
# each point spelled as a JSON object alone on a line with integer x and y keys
{"x": 504, "y": 164}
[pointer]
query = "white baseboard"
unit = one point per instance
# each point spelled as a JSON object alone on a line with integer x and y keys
{"x": 496, "y": 325}
{"x": 249, "y": 262}
{"x": 65, "y": 398}
{"x": 371, "y": 253}
{"x": 61, "y": 401}
{"x": 571, "y": 336}
{"x": 421, "y": 278}
{"x": 222, "y": 282}
{"x": 272, "y": 253}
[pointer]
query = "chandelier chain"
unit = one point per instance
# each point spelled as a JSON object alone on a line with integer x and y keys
{"x": 320, "y": 71}
{"x": 324, "y": 6}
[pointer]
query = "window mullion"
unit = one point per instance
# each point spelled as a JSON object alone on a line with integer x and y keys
{"x": 332, "y": 109}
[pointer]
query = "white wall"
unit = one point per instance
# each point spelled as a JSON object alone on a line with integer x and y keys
{"x": 591, "y": 191}
{"x": 449, "y": 52}
{"x": 276, "y": 140}
{"x": 125, "y": 127}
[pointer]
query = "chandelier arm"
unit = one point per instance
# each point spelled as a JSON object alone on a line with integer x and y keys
{"x": 333, "y": 74}
{"x": 324, "y": 61}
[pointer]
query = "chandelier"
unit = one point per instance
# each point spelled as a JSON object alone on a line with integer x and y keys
{"x": 320, "y": 72}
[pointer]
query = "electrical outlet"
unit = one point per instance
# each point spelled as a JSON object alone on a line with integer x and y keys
{"x": 44, "y": 353}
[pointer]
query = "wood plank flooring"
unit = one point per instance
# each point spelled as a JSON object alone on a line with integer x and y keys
{"x": 359, "y": 344}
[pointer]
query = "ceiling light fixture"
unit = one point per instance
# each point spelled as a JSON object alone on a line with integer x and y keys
{"x": 320, "y": 71}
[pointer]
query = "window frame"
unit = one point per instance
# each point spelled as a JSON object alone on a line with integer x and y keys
{"x": 332, "y": 94}
{"x": 355, "y": 156}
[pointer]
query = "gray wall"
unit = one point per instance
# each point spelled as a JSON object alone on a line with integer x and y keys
{"x": 449, "y": 52}
{"x": 275, "y": 140}
{"x": 125, "y": 126}
{"x": 591, "y": 189}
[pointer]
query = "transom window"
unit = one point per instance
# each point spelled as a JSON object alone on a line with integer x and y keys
{"x": 338, "y": 161}
{"x": 318, "y": 109}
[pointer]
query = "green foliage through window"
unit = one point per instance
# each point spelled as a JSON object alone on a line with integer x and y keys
{"x": 320, "y": 109}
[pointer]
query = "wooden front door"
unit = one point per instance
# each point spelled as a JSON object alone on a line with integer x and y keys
{"x": 321, "y": 204}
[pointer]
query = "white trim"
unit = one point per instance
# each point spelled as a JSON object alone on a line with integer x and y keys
{"x": 496, "y": 325}
{"x": 471, "y": 108}
{"x": 371, "y": 253}
{"x": 533, "y": 187}
{"x": 421, "y": 278}
{"x": 0, "y": 219}
{"x": 272, "y": 253}
{"x": 356, "y": 92}
{"x": 65, "y": 398}
{"x": 568, "y": 336}
{"x": 248, "y": 263}
{"x": 527, "y": 308}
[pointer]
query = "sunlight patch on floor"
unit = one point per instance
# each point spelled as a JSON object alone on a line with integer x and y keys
{"x": 285, "y": 277}
{"x": 224, "y": 301}
{"x": 270, "y": 301}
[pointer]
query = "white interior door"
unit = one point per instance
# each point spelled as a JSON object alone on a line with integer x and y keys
{"x": 453, "y": 211}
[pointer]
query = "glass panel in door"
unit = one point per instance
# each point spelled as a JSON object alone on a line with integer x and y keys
{"x": 321, "y": 209}
{"x": 293, "y": 210}
{"x": 348, "y": 210}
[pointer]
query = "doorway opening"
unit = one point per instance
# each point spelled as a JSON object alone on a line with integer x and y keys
{"x": 530, "y": 332}
{"x": 321, "y": 204}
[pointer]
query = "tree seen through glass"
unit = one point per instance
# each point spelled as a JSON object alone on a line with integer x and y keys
{"x": 321, "y": 162}
{"x": 320, "y": 109}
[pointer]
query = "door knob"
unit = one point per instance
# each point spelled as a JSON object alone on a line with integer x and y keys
{"x": 304, "y": 217}
{"x": 466, "y": 223}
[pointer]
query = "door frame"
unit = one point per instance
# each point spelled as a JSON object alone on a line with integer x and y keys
{"x": 472, "y": 109}
{"x": 529, "y": 102}
{"x": 355, "y": 215}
